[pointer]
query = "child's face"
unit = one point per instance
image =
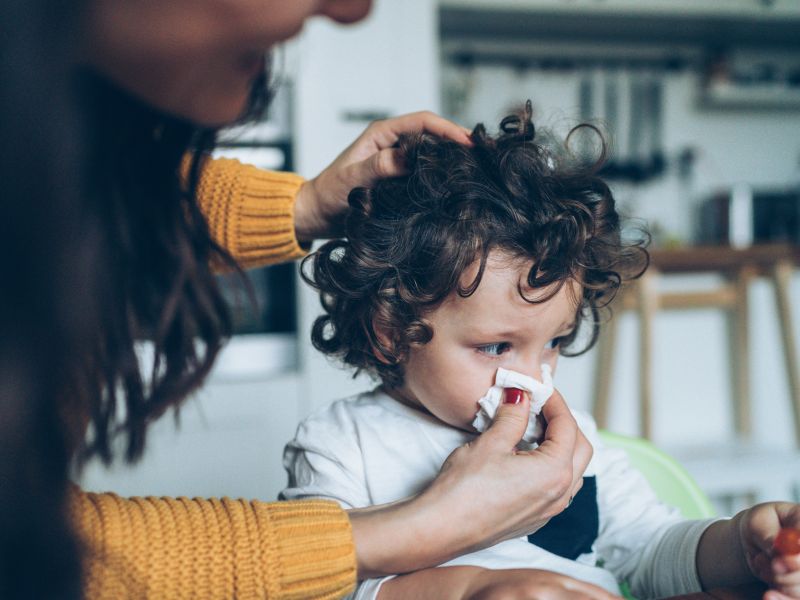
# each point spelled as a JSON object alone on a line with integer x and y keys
{"x": 473, "y": 336}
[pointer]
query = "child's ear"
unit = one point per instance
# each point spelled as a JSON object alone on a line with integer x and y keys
{"x": 382, "y": 344}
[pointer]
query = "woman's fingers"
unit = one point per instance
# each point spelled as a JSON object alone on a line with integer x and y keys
{"x": 381, "y": 136}
{"x": 382, "y": 164}
{"x": 564, "y": 441}
{"x": 561, "y": 433}
{"x": 565, "y": 444}
{"x": 508, "y": 426}
{"x": 385, "y": 133}
{"x": 322, "y": 202}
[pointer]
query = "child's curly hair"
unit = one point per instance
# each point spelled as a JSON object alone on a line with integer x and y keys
{"x": 410, "y": 239}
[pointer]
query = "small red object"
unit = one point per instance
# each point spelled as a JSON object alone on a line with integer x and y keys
{"x": 787, "y": 541}
{"x": 513, "y": 396}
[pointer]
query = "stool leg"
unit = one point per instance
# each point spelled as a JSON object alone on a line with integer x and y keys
{"x": 648, "y": 304}
{"x": 604, "y": 368}
{"x": 740, "y": 355}
{"x": 782, "y": 277}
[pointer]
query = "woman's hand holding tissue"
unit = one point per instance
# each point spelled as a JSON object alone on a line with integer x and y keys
{"x": 487, "y": 491}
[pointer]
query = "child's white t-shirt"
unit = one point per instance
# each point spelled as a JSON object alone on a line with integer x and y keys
{"x": 370, "y": 449}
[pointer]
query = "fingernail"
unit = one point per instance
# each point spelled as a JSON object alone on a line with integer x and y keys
{"x": 778, "y": 567}
{"x": 513, "y": 396}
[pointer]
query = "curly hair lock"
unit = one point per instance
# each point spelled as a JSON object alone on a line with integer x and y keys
{"x": 410, "y": 239}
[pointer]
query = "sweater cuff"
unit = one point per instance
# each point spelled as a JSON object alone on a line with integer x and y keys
{"x": 250, "y": 211}
{"x": 264, "y": 227}
{"x": 314, "y": 542}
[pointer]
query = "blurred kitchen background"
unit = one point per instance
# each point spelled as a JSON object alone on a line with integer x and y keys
{"x": 701, "y": 102}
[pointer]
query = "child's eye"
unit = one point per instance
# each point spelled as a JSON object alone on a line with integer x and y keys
{"x": 554, "y": 343}
{"x": 494, "y": 349}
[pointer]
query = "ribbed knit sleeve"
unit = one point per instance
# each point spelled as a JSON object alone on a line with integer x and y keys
{"x": 250, "y": 211}
{"x": 176, "y": 548}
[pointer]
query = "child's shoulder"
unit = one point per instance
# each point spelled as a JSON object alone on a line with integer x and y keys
{"x": 348, "y": 413}
{"x": 367, "y": 420}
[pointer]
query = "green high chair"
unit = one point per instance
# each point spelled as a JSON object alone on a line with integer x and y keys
{"x": 671, "y": 482}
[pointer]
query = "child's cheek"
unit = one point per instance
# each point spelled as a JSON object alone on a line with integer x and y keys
{"x": 553, "y": 362}
{"x": 474, "y": 386}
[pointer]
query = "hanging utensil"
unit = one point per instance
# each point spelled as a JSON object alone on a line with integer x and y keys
{"x": 611, "y": 110}
{"x": 636, "y": 159}
{"x": 587, "y": 112}
{"x": 655, "y": 105}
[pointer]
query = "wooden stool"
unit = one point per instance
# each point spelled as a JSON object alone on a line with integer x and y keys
{"x": 739, "y": 267}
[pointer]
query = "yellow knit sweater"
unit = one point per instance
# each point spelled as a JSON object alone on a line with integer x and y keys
{"x": 176, "y": 548}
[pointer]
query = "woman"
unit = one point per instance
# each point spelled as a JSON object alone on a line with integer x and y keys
{"x": 130, "y": 257}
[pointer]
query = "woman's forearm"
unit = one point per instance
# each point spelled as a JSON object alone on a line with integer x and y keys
{"x": 402, "y": 537}
{"x": 409, "y": 535}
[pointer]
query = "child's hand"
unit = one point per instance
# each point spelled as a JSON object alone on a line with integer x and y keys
{"x": 530, "y": 584}
{"x": 758, "y": 529}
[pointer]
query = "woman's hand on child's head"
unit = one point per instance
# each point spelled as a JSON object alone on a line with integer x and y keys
{"x": 758, "y": 529}
{"x": 322, "y": 202}
{"x": 530, "y": 584}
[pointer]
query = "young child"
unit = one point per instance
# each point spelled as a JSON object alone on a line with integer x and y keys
{"x": 470, "y": 275}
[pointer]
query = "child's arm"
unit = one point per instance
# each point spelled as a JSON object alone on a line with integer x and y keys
{"x": 477, "y": 583}
{"x": 741, "y": 550}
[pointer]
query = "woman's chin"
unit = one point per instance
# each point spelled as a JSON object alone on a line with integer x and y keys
{"x": 216, "y": 113}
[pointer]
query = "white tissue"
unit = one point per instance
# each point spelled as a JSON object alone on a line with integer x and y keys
{"x": 540, "y": 391}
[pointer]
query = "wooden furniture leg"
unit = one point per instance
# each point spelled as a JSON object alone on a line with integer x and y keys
{"x": 740, "y": 354}
{"x": 647, "y": 307}
{"x": 782, "y": 278}
{"x": 604, "y": 368}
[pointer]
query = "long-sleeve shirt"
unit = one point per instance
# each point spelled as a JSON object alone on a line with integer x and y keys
{"x": 173, "y": 548}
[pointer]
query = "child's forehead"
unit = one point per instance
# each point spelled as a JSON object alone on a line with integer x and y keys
{"x": 497, "y": 310}
{"x": 502, "y": 267}
{"x": 504, "y": 281}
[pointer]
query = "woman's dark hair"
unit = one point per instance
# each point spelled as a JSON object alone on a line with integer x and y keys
{"x": 103, "y": 249}
{"x": 41, "y": 276}
{"x": 153, "y": 261}
{"x": 151, "y": 253}
{"x": 410, "y": 239}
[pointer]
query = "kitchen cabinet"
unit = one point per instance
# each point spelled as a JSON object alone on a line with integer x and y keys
{"x": 737, "y": 9}
{"x": 753, "y": 22}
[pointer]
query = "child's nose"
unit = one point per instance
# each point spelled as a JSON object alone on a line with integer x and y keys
{"x": 533, "y": 367}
